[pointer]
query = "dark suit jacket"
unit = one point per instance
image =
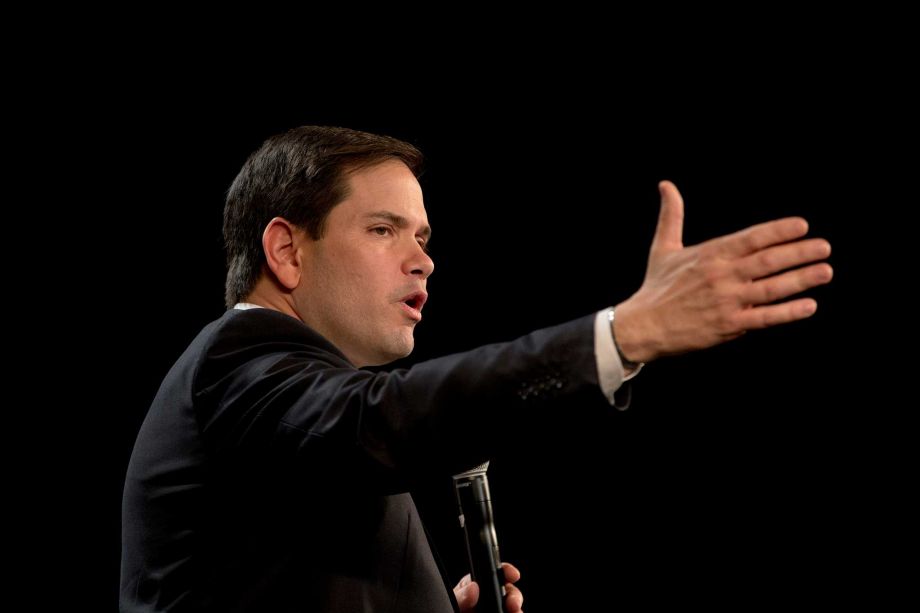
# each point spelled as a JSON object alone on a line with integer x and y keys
{"x": 271, "y": 475}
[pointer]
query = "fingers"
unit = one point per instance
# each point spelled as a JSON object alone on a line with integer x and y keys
{"x": 761, "y": 236}
{"x": 670, "y": 231}
{"x": 467, "y": 591}
{"x": 780, "y": 286}
{"x": 512, "y": 574}
{"x": 467, "y": 594}
{"x": 775, "y": 259}
{"x": 775, "y": 314}
{"x": 514, "y": 599}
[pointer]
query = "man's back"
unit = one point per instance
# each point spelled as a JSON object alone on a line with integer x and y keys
{"x": 221, "y": 514}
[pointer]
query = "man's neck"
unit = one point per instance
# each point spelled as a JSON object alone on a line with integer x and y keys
{"x": 271, "y": 300}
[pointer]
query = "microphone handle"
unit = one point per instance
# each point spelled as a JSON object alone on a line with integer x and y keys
{"x": 481, "y": 542}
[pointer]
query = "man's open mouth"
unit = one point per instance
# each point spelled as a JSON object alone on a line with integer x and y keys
{"x": 415, "y": 300}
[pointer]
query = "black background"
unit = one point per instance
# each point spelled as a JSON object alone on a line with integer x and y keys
{"x": 740, "y": 474}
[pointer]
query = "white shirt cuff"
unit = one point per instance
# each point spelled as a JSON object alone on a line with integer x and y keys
{"x": 610, "y": 372}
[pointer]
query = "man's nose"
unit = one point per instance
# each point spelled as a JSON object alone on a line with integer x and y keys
{"x": 420, "y": 263}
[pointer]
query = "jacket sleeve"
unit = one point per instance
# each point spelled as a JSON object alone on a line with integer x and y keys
{"x": 305, "y": 407}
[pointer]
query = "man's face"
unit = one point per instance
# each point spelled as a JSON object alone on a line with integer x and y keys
{"x": 364, "y": 281}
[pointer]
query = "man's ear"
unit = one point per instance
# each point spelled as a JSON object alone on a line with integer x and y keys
{"x": 280, "y": 242}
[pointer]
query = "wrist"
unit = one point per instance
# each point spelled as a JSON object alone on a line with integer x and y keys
{"x": 630, "y": 356}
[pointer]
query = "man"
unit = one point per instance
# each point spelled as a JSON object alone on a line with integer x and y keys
{"x": 271, "y": 473}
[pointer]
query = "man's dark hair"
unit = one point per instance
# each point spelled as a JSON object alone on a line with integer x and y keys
{"x": 299, "y": 175}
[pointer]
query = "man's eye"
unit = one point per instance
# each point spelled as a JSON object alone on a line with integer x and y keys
{"x": 381, "y": 231}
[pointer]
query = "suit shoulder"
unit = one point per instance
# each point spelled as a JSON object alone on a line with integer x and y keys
{"x": 240, "y": 328}
{"x": 243, "y": 337}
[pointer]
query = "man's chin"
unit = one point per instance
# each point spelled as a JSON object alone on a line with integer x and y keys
{"x": 402, "y": 352}
{"x": 393, "y": 353}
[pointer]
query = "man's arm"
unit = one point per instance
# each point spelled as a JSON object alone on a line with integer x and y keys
{"x": 272, "y": 388}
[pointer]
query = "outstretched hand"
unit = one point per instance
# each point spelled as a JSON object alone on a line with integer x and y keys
{"x": 699, "y": 296}
{"x": 467, "y": 591}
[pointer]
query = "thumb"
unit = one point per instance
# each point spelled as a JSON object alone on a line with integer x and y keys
{"x": 670, "y": 231}
{"x": 467, "y": 596}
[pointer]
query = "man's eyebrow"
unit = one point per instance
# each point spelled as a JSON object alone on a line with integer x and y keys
{"x": 399, "y": 221}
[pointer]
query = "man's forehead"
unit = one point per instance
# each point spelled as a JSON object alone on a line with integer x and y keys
{"x": 388, "y": 189}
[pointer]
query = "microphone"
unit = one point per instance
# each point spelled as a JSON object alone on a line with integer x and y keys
{"x": 472, "y": 489}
